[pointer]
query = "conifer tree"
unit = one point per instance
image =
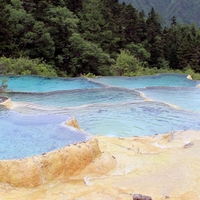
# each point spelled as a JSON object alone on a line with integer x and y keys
{"x": 6, "y": 30}
{"x": 171, "y": 44}
{"x": 154, "y": 45}
{"x": 141, "y": 28}
{"x": 92, "y": 20}
{"x": 130, "y": 23}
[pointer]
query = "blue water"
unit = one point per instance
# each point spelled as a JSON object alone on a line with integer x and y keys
{"x": 43, "y": 84}
{"x": 169, "y": 80}
{"x": 186, "y": 98}
{"x": 24, "y": 135}
{"x": 75, "y": 98}
{"x": 113, "y": 106}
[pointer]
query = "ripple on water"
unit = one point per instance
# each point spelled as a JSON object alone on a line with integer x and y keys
{"x": 44, "y": 84}
{"x": 134, "y": 119}
{"x": 169, "y": 80}
{"x": 104, "y": 106}
{"x": 182, "y": 97}
{"x": 78, "y": 97}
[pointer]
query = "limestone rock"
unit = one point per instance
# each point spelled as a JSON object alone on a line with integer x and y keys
{"x": 36, "y": 170}
{"x": 74, "y": 123}
{"x": 189, "y": 77}
{"x": 161, "y": 166}
{"x": 6, "y": 101}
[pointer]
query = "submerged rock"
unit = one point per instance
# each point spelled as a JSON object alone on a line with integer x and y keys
{"x": 5, "y": 101}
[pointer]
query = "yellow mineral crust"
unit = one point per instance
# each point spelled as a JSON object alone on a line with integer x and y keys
{"x": 73, "y": 122}
{"x": 161, "y": 166}
{"x": 36, "y": 170}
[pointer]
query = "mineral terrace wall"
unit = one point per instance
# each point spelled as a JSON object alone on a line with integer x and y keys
{"x": 37, "y": 170}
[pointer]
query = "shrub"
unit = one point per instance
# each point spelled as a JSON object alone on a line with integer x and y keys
{"x": 89, "y": 75}
{"x": 190, "y": 71}
{"x": 126, "y": 64}
{"x": 25, "y": 66}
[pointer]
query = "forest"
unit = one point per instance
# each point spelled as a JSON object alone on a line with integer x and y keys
{"x": 92, "y": 37}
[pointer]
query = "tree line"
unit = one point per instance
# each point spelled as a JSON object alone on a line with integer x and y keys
{"x": 100, "y": 37}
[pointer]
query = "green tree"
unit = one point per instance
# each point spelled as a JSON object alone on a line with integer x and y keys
{"x": 184, "y": 53}
{"x": 110, "y": 38}
{"x": 92, "y": 20}
{"x": 170, "y": 38}
{"x": 126, "y": 64}
{"x": 6, "y": 30}
{"x": 154, "y": 45}
{"x": 130, "y": 24}
{"x": 139, "y": 51}
{"x": 22, "y": 23}
{"x": 61, "y": 23}
{"x": 38, "y": 43}
{"x": 38, "y": 8}
{"x": 86, "y": 57}
{"x": 31, "y": 36}
{"x": 195, "y": 58}
{"x": 74, "y": 6}
{"x": 141, "y": 28}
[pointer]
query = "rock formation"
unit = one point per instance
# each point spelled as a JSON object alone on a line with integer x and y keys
{"x": 37, "y": 170}
{"x": 160, "y": 166}
{"x": 6, "y": 101}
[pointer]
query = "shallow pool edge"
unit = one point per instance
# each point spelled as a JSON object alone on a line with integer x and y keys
{"x": 36, "y": 170}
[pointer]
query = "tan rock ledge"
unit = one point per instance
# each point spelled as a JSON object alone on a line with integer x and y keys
{"x": 37, "y": 170}
{"x": 62, "y": 163}
{"x": 160, "y": 166}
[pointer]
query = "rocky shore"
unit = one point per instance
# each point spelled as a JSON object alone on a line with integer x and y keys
{"x": 159, "y": 166}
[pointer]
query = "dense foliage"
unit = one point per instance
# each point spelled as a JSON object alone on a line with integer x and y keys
{"x": 100, "y": 37}
{"x": 25, "y": 66}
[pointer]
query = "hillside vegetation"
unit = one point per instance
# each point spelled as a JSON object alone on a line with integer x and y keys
{"x": 185, "y": 11}
{"x": 92, "y": 37}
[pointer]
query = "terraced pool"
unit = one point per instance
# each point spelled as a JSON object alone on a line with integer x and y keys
{"x": 112, "y": 106}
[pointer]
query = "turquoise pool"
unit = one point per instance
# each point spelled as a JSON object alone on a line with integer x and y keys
{"x": 112, "y": 106}
{"x": 24, "y": 135}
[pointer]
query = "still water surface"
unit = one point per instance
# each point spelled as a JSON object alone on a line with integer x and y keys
{"x": 113, "y": 106}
